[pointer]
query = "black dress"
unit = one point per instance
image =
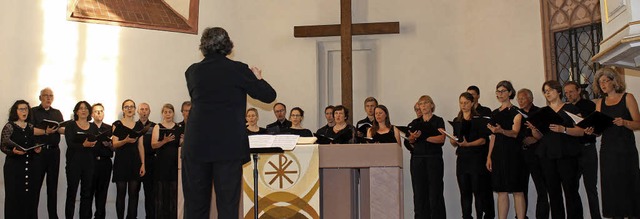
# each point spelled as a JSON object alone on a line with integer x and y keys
{"x": 166, "y": 174}
{"x": 388, "y": 137}
{"x": 508, "y": 172}
{"x": 619, "y": 166}
{"x": 300, "y": 132}
{"x": 22, "y": 173}
{"x": 261, "y": 131}
{"x": 126, "y": 164}
{"x": 344, "y": 136}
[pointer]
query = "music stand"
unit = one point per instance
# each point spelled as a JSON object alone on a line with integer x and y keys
{"x": 255, "y": 152}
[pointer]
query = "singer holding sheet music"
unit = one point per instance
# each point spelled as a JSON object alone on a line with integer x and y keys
{"x": 382, "y": 131}
{"x": 559, "y": 151}
{"x": 474, "y": 180}
{"x": 218, "y": 87}
{"x": 165, "y": 140}
{"x": 508, "y": 174}
{"x": 620, "y": 175}
{"x": 103, "y": 152}
{"x": 22, "y": 169}
{"x": 427, "y": 164}
{"x": 80, "y": 160}
{"x": 127, "y": 164}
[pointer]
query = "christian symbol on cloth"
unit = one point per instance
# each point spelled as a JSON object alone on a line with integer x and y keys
{"x": 284, "y": 171}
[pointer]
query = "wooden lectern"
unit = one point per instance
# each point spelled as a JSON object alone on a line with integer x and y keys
{"x": 364, "y": 175}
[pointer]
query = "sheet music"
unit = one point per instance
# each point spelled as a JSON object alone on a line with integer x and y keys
{"x": 307, "y": 140}
{"x": 576, "y": 119}
{"x": 286, "y": 142}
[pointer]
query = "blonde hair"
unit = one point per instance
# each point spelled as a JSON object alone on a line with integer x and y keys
{"x": 618, "y": 84}
{"x": 428, "y": 99}
{"x": 253, "y": 110}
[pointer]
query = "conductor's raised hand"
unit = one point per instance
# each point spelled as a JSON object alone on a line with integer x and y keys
{"x": 257, "y": 72}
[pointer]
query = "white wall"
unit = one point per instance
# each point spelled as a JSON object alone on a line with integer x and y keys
{"x": 443, "y": 47}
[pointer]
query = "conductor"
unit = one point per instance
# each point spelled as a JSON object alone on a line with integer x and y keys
{"x": 218, "y": 87}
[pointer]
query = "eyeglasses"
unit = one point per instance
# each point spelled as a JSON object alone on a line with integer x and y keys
{"x": 129, "y": 107}
{"x": 501, "y": 91}
{"x": 280, "y": 111}
{"x": 293, "y": 115}
{"x": 47, "y": 95}
{"x": 23, "y": 109}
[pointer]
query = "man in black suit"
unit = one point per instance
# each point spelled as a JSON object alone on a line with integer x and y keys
{"x": 281, "y": 123}
{"x": 218, "y": 88}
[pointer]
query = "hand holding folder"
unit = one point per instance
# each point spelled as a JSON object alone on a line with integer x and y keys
{"x": 599, "y": 121}
{"x": 543, "y": 118}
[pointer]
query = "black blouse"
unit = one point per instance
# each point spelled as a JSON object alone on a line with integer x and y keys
{"x": 421, "y": 146}
{"x": 472, "y": 130}
{"x": 75, "y": 137}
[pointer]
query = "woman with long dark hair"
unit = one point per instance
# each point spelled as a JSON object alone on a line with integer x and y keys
{"x": 22, "y": 169}
{"x": 474, "y": 181}
{"x": 382, "y": 131}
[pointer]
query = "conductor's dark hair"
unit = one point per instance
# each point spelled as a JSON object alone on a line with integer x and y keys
{"x": 507, "y": 85}
{"x": 278, "y": 103}
{"x": 343, "y": 108}
{"x": 77, "y": 107}
{"x": 13, "y": 112}
{"x": 215, "y": 40}
{"x": 474, "y": 88}
{"x": 553, "y": 84}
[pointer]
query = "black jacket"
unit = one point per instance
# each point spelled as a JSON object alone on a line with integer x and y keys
{"x": 216, "y": 128}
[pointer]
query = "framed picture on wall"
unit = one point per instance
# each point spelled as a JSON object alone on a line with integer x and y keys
{"x": 167, "y": 15}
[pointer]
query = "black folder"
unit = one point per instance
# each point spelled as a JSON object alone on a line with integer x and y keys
{"x": 122, "y": 130}
{"x": 175, "y": 131}
{"x": 102, "y": 136}
{"x": 543, "y": 118}
{"x": 46, "y": 123}
{"x": 426, "y": 130}
{"x": 365, "y": 140}
{"x": 404, "y": 129}
{"x": 599, "y": 121}
{"x": 323, "y": 139}
{"x": 25, "y": 148}
{"x": 363, "y": 127}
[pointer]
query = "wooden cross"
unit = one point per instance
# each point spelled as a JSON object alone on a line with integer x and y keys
{"x": 346, "y": 29}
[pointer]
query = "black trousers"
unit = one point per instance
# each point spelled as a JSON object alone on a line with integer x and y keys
{"x": 79, "y": 173}
{"x": 588, "y": 166}
{"x": 562, "y": 175}
{"x": 478, "y": 186}
{"x": 147, "y": 185}
{"x": 534, "y": 167}
{"x": 51, "y": 170}
{"x": 427, "y": 173}
{"x": 197, "y": 178}
{"x": 101, "y": 180}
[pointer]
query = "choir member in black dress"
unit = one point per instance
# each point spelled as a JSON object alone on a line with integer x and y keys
{"x": 482, "y": 110}
{"x": 147, "y": 181}
{"x": 22, "y": 169}
{"x": 127, "y": 164}
{"x": 427, "y": 165}
{"x": 184, "y": 109}
{"x": 103, "y": 152}
{"x": 382, "y": 131}
{"x": 166, "y": 140}
{"x": 620, "y": 175}
{"x": 508, "y": 173}
{"x": 370, "y": 104}
{"x": 588, "y": 161}
{"x": 252, "y": 118}
{"x": 51, "y": 150}
{"x": 80, "y": 160}
{"x": 531, "y": 159}
{"x": 296, "y": 116}
{"x": 281, "y": 123}
{"x": 474, "y": 181}
{"x": 559, "y": 151}
{"x": 341, "y": 133}
{"x": 328, "y": 114}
